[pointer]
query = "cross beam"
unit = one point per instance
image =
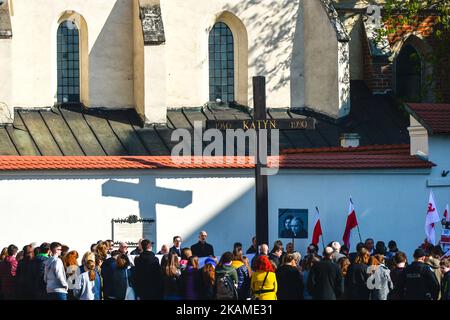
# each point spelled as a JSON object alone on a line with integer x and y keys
{"x": 259, "y": 122}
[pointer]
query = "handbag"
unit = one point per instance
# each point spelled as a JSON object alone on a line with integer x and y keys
{"x": 254, "y": 296}
{"x": 129, "y": 295}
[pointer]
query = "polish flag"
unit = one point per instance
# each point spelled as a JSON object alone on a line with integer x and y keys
{"x": 351, "y": 223}
{"x": 317, "y": 232}
{"x": 446, "y": 215}
{"x": 432, "y": 217}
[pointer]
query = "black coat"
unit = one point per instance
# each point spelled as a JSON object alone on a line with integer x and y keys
{"x": 119, "y": 282}
{"x": 175, "y": 250}
{"x": 290, "y": 283}
{"x": 420, "y": 282}
{"x": 445, "y": 287}
{"x": 202, "y": 249}
{"x": 39, "y": 288}
{"x": 24, "y": 280}
{"x": 251, "y": 250}
{"x": 325, "y": 281}
{"x": 148, "y": 277}
{"x": 358, "y": 282}
{"x": 108, "y": 268}
{"x": 275, "y": 259}
{"x": 398, "y": 282}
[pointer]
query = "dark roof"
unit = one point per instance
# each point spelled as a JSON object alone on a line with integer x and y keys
{"x": 434, "y": 117}
{"x": 385, "y": 157}
{"x": 73, "y": 131}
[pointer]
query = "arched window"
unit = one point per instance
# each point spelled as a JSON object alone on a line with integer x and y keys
{"x": 409, "y": 74}
{"x": 68, "y": 45}
{"x": 221, "y": 63}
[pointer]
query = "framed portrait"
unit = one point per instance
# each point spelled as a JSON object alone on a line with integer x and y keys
{"x": 293, "y": 223}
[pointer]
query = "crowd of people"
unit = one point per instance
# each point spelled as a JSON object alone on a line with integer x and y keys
{"x": 373, "y": 272}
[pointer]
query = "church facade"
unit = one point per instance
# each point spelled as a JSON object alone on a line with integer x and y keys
{"x": 154, "y": 54}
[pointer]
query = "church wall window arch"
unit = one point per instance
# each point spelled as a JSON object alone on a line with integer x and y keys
{"x": 409, "y": 74}
{"x": 413, "y": 70}
{"x": 71, "y": 59}
{"x": 228, "y": 60}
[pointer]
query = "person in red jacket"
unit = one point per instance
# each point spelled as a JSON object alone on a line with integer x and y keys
{"x": 8, "y": 269}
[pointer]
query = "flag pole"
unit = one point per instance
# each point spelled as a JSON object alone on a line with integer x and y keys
{"x": 323, "y": 243}
{"x": 359, "y": 233}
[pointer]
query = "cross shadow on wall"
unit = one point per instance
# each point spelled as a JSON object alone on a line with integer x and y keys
{"x": 147, "y": 194}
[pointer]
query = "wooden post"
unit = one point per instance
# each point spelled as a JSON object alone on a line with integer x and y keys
{"x": 261, "y": 204}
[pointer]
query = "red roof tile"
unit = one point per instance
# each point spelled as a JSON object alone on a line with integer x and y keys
{"x": 434, "y": 117}
{"x": 376, "y": 157}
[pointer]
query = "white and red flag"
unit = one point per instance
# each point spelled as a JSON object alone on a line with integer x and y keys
{"x": 317, "y": 231}
{"x": 351, "y": 223}
{"x": 446, "y": 214}
{"x": 432, "y": 217}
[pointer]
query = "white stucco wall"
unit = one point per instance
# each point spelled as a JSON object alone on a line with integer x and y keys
{"x": 110, "y": 47}
{"x": 77, "y": 208}
{"x": 439, "y": 153}
{"x": 271, "y": 28}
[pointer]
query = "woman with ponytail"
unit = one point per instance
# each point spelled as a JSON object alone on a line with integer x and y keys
{"x": 90, "y": 288}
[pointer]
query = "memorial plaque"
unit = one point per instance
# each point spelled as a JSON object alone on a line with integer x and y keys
{"x": 131, "y": 229}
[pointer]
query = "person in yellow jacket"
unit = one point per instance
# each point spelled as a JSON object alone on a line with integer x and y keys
{"x": 264, "y": 281}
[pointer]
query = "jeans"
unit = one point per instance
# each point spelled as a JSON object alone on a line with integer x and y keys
{"x": 57, "y": 296}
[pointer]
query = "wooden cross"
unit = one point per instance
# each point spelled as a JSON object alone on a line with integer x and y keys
{"x": 260, "y": 121}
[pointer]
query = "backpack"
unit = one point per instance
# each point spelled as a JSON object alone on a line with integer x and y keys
{"x": 225, "y": 288}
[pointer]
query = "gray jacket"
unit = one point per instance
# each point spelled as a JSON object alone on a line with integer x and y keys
{"x": 55, "y": 276}
{"x": 379, "y": 282}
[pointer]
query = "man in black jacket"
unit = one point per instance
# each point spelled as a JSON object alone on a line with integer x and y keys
{"x": 325, "y": 278}
{"x": 201, "y": 248}
{"x": 176, "y": 246}
{"x": 148, "y": 276}
{"x": 420, "y": 282}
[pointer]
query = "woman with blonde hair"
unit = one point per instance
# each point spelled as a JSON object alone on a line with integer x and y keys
{"x": 344, "y": 266}
{"x": 358, "y": 276}
{"x": 90, "y": 287}
{"x": 243, "y": 287}
{"x": 264, "y": 282}
{"x": 87, "y": 256}
{"x": 3, "y": 254}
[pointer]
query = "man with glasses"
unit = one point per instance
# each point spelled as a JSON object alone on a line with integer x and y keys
{"x": 201, "y": 248}
{"x": 176, "y": 246}
{"x": 55, "y": 274}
